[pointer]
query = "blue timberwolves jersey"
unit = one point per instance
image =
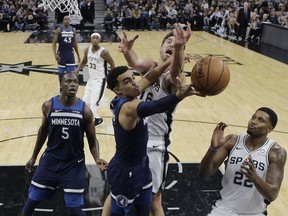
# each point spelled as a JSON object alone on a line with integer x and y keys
{"x": 66, "y": 39}
{"x": 66, "y": 130}
{"x": 130, "y": 145}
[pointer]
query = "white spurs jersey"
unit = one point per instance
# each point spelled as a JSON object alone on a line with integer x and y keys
{"x": 160, "y": 123}
{"x": 239, "y": 192}
{"x": 97, "y": 65}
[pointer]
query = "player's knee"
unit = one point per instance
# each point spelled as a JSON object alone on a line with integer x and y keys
{"x": 75, "y": 211}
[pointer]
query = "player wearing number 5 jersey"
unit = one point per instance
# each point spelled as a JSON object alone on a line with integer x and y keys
{"x": 97, "y": 58}
{"x": 65, "y": 36}
{"x": 64, "y": 121}
{"x": 254, "y": 166}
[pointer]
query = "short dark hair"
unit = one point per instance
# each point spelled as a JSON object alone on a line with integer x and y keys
{"x": 65, "y": 74}
{"x": 272, "y": 115}
{"x": 113, "y": 75}
{"x": 167, "y": 36}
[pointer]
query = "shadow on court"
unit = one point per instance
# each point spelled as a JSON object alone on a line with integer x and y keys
{"x": 185, "y": 193}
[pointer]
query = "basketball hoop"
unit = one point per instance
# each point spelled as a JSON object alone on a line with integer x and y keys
{"x": 70, "y": 6}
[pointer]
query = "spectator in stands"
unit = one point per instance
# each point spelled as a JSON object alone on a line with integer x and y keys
{"x": 42, "y": 19}
{"x": 117, "y": 20}
{"x": 145, "y": 18}
{"x": 154, "y": 18}
{"x": 171, "y": 13}
{"x": 163, "y": 17}
{"x": 254, "y": 30}
{"x": 273, "y": 17}
{"x": 207, "y": 16}
{"x": 108, "y": 20}
{"x": 128, "y": 18}
{"x": 243, "y": 20}
{"x": 122, "y": 3}
{"x": 136, "y": 16}
{"x": 18, "y": 23}
{"x": 188, "y": 9}
{"x": 88, "y": 11}
{"x": 215, "y": 18}
{"x": 30, "y": 21}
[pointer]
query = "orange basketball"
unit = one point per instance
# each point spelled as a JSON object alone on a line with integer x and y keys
{"x": 210, "y": 76}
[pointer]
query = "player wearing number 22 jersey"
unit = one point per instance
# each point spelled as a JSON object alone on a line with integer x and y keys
{"x": 254, "y": 166}
{"x": 238, "y": 185}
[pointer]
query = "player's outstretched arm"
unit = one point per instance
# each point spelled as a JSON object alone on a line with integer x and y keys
{"x": 178, "y": 59}
{"x": 141, "y": 65}
{"x": 153, "y": 75}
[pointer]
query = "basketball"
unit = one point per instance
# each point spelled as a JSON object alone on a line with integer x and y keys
{"x": 210, "y": 76}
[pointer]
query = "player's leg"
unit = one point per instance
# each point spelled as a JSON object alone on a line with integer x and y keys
{"x": 70, "y": 68}
{"x": 143, "y": 203}
{"x": 61, "y": 68}
{"x": 74, "y": 201}
{"x": 35, "y": 196}
{"x": 41, "y": 187}
{"x": 70, "y": 64}
{"x": 87, "y": 92}
{"x": 158, "y": 162}
{"x": 96, "y": 96}
{"x": 156, "y": 208}
{"x": 107, "y": 206}
{"x": 117, "y": 210}
{"x": 73, "y": 182}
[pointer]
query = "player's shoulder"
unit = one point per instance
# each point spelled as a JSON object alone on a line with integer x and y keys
{"x": 46, "y": 106}
{"x": 48, "y": 102}
{"x": 277, "y": 153}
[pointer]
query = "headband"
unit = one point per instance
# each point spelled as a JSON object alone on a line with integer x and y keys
{"x": 96, "y": 34}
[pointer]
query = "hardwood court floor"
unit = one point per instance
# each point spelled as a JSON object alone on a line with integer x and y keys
{"x": 256, "y": 81}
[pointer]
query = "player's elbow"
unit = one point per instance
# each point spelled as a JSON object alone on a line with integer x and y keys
{"x": 273, "y": 195}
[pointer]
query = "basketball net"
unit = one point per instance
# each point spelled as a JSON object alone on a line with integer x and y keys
{"x": 70, "y": 6}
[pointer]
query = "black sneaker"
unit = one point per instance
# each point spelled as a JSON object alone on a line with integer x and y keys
{"x": 98, "y": 121}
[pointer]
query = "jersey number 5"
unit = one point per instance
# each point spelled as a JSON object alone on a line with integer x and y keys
{"x": 65, "y": 134}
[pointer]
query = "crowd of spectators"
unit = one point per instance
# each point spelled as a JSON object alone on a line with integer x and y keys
{"x": 22, "y": 15}
{"x": 216, "y": 15}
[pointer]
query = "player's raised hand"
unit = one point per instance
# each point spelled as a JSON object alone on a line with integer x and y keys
{"x": 127, "y": 44}
{"x": 218, "y": 139}
{"x": 186, "y": 90}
